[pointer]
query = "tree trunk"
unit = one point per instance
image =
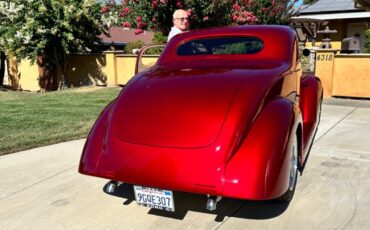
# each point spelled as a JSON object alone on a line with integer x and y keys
{"x": 13, "y": 73}
{"x": 61, "y": 60}
{"x": 2, "y": 67}
{"x": 47, "y": 73}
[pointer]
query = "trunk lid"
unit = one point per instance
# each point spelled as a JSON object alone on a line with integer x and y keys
{"x": 183, "y": 108}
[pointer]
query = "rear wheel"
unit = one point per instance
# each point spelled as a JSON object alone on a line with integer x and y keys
{"x": 293, "y": 172}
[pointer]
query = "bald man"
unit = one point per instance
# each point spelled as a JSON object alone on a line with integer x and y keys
{"x": 180, "y": 23}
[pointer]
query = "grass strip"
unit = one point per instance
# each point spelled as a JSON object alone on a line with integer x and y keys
{"x": 29, "y": 120}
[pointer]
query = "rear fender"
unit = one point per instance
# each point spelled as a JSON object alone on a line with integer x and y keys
{"x": 94, "y": 145}
{"x": 310, "y": 97}
{"x": 260, "y": 167}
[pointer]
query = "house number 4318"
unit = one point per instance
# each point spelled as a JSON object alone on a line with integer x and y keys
{"x": 324, "y": 57}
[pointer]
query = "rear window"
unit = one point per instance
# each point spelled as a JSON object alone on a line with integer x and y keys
{"x": 220, "y": 46}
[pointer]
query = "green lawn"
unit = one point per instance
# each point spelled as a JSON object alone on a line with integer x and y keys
{"x": 29, "y": 120}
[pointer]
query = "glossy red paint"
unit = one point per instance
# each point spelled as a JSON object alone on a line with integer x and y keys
{"x": 220, "y": 125}
{"x": 310, "y": 104}
{"x": 266, "y": 176}
{"x": 270, "y": 56}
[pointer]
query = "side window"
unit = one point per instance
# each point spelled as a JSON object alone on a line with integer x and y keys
{"x": 249, "y": 47}
{"x": 198, "y": 48}
{"x": 192, "y": 48}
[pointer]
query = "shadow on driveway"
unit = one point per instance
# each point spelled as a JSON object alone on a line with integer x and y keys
{"x": 184, "y": 202}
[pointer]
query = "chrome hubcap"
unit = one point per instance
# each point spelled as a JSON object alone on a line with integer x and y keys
{"x": 293, "y": 165}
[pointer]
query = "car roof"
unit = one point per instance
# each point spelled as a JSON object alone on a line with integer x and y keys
{"x": 278, "y": 44}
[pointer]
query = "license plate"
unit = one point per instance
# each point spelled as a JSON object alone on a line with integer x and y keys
{"x": 154, "y": 198}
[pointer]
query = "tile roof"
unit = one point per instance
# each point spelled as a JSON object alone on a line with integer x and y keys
{"x": 120, "y": 36}
{"x": 333, "y": 6}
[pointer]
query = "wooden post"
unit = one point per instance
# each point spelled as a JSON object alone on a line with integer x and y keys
{"x": 324, "y": 69}
{"x": 111, "y": 68}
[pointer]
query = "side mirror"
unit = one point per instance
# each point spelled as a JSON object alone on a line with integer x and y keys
{"x": 306, "y": 52}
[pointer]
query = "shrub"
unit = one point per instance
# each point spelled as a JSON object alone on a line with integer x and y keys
{"x": 159, "y": 38}
{"x": 156, "y": 15}
{"x": 367, "y": 41}
{"x": 133, "y": 45}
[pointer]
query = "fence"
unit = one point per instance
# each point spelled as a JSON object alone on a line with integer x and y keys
{"x": 344, "y": 75}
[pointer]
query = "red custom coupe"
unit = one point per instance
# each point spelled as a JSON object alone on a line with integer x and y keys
{"x": 218, "y": 114}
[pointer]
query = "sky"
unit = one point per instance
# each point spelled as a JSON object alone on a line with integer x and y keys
{"x": 300, "y": 2}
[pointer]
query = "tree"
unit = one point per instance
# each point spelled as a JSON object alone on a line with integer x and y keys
{"x": 46, "y": 31}
{"x": 157, "y": 14}
{"x": 262, "y": 12}
{"x": 364, "y": 4}
{"x": 309, "y": 1}
{"x": 367, "y": 41}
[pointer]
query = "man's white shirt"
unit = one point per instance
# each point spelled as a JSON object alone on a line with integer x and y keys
{"x": 173, "y": 32}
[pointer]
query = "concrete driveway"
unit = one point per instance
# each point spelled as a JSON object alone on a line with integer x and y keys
{"x": 41, "y": 189}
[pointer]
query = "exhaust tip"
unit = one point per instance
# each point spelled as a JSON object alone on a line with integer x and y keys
{"x": 111, "y": 186}
{"x": 212, "y": 202}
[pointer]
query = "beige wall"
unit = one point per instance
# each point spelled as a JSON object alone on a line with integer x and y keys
{"x": 346, "y": 75}
{"x": 324, "y": 69}
{"x": 351, "y": 76}
{"x": 109, "y": 69}
{"x": 341, "y": 75}
{"x": 87, "y": 70}
{"x": 81, "y": 70}
{"x": 28, "y": 76}
{"x": 125, "y": 68}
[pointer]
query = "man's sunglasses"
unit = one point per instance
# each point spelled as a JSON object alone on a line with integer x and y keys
{"x": 183, "y": 19}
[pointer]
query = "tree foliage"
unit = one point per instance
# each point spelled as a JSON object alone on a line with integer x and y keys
{"x": 262, "y": 12}
{"x": 367, "y": 41}
{"x": 45, "y": 31}
{"x": 157, "y": 14}
{"x": 364, "y": 4}
{"x": 309, "y": 1}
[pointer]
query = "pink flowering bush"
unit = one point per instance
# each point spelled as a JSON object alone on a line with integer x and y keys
{"x": 262, "y": 11}
{"x": 157, "y": 14}
{"x": 143, "y": 15}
